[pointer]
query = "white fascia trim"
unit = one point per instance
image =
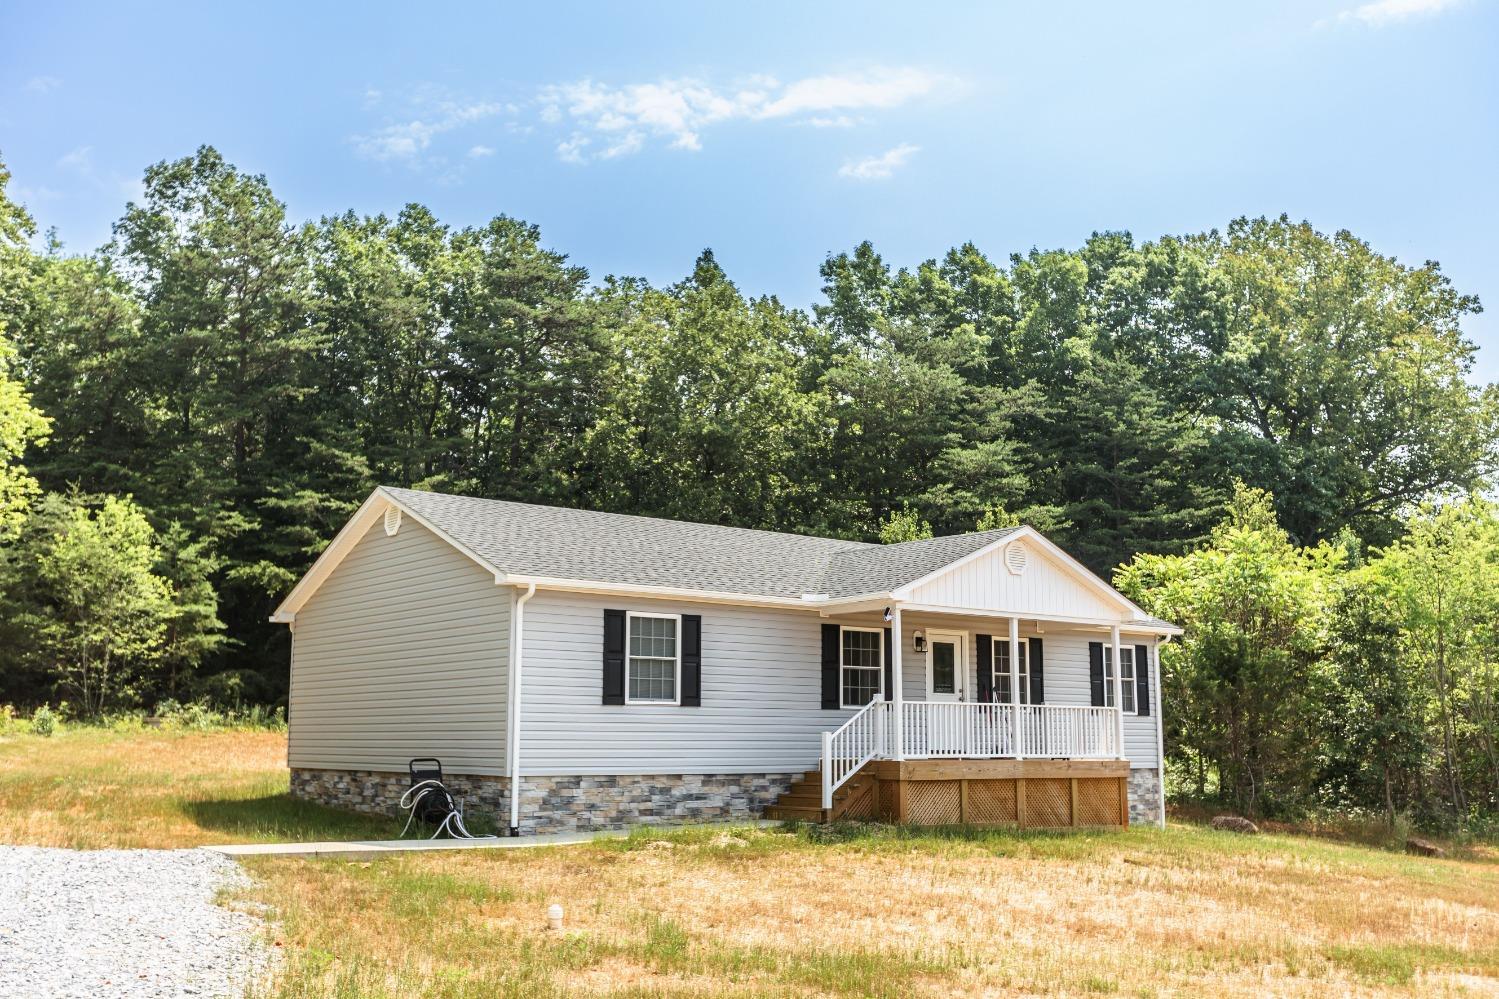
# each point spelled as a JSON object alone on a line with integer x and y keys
{"x": 1133, "y": 628}
{"x": 370, "y": 511}
{"x": 662, "y": 592}
{"x": 1073, "y": 567}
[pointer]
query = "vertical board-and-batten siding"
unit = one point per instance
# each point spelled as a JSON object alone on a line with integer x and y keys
{"x": 986, "y": 583}
{"x": 402, "y": 652}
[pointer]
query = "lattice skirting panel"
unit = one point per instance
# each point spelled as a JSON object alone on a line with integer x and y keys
{"x": 934, "y": 802}
{"x": 1100, "y": 802}
{"x": 1029, "y": 802}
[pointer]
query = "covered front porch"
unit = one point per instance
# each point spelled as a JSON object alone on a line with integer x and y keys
{"x": 1011, "y": 668}
{"x": 970, "y": 684}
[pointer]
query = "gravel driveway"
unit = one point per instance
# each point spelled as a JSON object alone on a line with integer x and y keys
{"x": 76, "y": 923}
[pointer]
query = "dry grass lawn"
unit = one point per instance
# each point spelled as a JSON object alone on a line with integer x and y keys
{"x": 94, "y": 788}
{"x": 758, "y": 912}
{"x": 751, "y": 912}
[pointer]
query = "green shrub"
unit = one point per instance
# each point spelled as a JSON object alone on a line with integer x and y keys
{"x": 43, "y": 721}
{"x": 202, "y": 716}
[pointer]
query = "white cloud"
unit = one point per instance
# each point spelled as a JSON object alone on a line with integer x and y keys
{"x": 410, "y": 139}
{"x": 480, "y": 152}
{"x": 629, "y": 143}
{"x": 885, "y": 89}
{"x": 42, "y": 84}
{"x": 835, "y": 121}
{"x": 570, "y": 150}
{"x": 678, "y": 111}
{"x": 1382, "y": 13}
{"x": 879, "y": 167}
{"x": 79, "y": 161}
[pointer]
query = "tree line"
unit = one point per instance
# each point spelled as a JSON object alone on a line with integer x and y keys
{"x": 215, "y": 389}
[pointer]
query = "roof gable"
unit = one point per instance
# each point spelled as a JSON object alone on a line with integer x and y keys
{"x": 1021, "y": 572}
{"x": 585, "y": 549}
{"x": 886, "y": 568}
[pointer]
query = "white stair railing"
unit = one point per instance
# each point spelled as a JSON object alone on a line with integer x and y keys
{"x": 936, "y": 729}
{"x": 851, "y": 745}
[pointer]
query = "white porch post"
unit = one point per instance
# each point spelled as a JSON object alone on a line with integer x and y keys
{"x": 1118, "y": 696}
{"x": 1015, "y": 685}
{"x": 897, "y": 677}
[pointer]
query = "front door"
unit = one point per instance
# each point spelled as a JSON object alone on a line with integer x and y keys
{"x": 944, "y": 666}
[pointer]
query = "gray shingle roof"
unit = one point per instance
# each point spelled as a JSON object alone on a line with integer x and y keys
{"x": 529, "y": 540}
{"x": 881, "y": 568}
{"x": 525, "y": 539}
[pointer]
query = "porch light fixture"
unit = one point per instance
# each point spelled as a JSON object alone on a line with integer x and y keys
{"x": 888, "y": 615}
{"x": 918, "y": 640}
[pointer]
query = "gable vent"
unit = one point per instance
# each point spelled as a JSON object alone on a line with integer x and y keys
{"x": 1016, "y": 558}
{"x": 392, "y": 520}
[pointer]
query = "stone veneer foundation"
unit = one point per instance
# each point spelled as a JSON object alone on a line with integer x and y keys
{"x": 562, "y": 804}
{"x": 1144, "y": 797}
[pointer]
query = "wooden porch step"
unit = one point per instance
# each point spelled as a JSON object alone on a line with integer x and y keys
{"x": 803, "y": 799}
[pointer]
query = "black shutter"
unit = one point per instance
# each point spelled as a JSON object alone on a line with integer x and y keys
{"x": 1038, "y": 679}
{"x": 614, "y": 657}
{"x": 986, "y": 668}
{"x": 1142, "y": 680}
{"x": 832, "y": 654}
{"x": 889, "y": 666}
{"x": 692, "y": 660}
{"x": 1095, "y": 672}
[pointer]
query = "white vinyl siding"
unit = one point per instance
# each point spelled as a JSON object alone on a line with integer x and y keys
{"x": 761, "y": 705}
{"x": 402, "y": 652}
{"x": 761, "y": 690}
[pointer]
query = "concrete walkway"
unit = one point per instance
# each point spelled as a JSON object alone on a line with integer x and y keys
{"x": 368, "y": 849}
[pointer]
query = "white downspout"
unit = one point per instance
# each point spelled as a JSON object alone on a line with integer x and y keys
{"x": 1160, "y": 739}
{"x": 512, "y": 751}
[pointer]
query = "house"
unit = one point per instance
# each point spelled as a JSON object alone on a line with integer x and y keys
{"x": 622, "y": 670}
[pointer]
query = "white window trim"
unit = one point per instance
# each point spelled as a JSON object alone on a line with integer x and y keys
{"x": 1108, "y": 678}
{"x": 1025, "y": 667}
{"x": 676, "y": 685}
{"x": 879, "y": 690}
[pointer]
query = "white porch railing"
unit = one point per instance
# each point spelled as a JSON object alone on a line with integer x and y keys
{"x": 993, "y": 731}
{"x": 853, "y": 744}
{"x": 936, "y": 729}
{"x": 1074, "y": 733}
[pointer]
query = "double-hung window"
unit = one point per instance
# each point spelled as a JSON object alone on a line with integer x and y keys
{"x": 653, "y": 666}
{"x": 1002, "y": 672}
{"x": 863, "y": 678}
{"x": 1126, "y": 677}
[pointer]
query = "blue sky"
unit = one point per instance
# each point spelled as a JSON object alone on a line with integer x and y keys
{"x": 637, "y": 134}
